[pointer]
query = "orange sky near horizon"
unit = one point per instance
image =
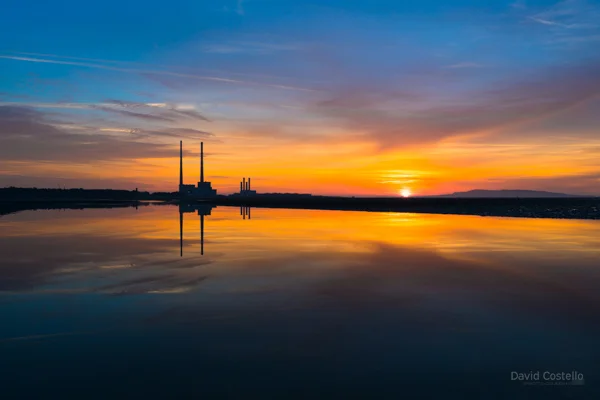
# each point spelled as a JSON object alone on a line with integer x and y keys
{"x": 371, "y": 101}
{"x": 348, "y": 168}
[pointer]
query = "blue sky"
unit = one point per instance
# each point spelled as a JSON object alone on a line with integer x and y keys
{"x": 379, "y": 78}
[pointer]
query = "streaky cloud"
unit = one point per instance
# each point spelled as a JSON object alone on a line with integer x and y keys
{"x": 155, "y": 72}
{"x": 494, "y": 110}
{"x": 134, "y": 114}
{"x": 156, "y": 111}
{"x": 170, "y": 109}
{"x": 28, "y": 135}
{"x": 465, "y": 65}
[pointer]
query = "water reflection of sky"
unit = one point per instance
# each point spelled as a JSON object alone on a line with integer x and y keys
{"x": 356, "y": 297}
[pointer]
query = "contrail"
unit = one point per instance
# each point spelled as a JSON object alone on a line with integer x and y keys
{"x": 143, "y": 65}
{"x": 155, "y": 72}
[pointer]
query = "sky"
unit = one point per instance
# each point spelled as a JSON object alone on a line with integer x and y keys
{"x": 342, "y": 97}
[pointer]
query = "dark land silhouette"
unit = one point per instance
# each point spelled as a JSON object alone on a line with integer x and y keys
{"x": 550, "y": 207}
{"x": 44, "y": 194}
{"x": 14, "y": 199}
{"x": 565, "y": 206}
{"x": 14, "y": 207}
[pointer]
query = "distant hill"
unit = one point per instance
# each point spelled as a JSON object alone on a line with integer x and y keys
{"x": 507, "y": 194}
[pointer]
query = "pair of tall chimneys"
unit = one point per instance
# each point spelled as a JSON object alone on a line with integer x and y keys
{"x": 244, "y": 186}
{"x": 181, "y": 162}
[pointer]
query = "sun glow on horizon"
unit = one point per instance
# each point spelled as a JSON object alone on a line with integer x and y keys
{"x": 405, "y": 192}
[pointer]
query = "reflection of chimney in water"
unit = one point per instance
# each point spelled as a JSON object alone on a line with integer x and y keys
{"x": 245, "y": 212}
{"x": 180, "y": 233}
{"x": 201, "y": 234}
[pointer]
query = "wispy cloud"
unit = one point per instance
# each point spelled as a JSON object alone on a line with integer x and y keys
{"x": 187, "y": 133}
{"x": 569, "y": 23}
{"x": 569, "y": 14}
{"x": 546, "y": 22}
{"x": 168, "y": 110}
{"x": 150, "y": 111}
{"x": 155, "y": 72}
{"x": 465, "y": 65}
{"x": 128, "y": 113}
{"x": 29, "y": 135}
{"x": 560, "y": 24}
{"x": 247, "y": 48}
{"x": 264, "y": 45}
{"x": 490, "y": 112}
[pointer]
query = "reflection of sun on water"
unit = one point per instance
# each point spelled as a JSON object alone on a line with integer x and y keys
{"x": 405, "y": 192}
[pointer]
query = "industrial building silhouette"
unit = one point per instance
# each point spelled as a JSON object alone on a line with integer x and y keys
{"x": 204, "y": 189}
{"x": 245, "y": 189}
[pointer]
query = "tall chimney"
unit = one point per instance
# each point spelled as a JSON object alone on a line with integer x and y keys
{"x": 202, "y": 162}
{"x": 244, "y": 183}
{"x": 180, "y": 163}
{"x": 241, "y": 188}
{"x": 248, "y": 183}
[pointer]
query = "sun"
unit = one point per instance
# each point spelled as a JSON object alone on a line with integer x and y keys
{"x": 405, "y": 193}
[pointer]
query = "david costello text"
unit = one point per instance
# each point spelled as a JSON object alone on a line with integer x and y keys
{"x": 548, "y": 377}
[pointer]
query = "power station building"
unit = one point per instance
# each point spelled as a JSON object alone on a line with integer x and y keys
{"x": 204, "y": 189}
{"x": 245, "y": 189}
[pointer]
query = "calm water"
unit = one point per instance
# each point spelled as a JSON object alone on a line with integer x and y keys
{"x": 110, "y": 303}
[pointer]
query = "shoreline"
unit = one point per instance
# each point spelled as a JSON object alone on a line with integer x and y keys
{"x": 14, "y": 206}
{"x": 587, "y": 208}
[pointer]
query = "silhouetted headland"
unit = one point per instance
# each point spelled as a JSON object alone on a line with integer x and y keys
{"x": 505, "y": 193}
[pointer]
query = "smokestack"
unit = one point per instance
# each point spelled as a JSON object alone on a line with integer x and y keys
{"x": 241, "y": 188}
{"x": 244, "y": 183}
{"x": 248, "y": 183}
{"x": 202, "y": 162}
{"x": 180, "y": 162}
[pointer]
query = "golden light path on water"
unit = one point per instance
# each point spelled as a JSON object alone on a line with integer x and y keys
{"x": 467, "y": 278}
{"x": 505, "y": 243}
{"x": 298, "y": 228}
